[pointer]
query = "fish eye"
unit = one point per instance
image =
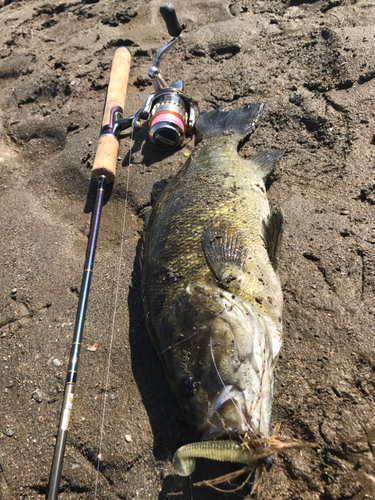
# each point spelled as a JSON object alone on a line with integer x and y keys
{"x": 186, "y": 385}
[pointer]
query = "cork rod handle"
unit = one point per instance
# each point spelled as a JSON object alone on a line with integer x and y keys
{"x": 106, "y": 154}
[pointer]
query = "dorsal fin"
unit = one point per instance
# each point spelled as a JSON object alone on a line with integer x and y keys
{"x": 264, "y": 162}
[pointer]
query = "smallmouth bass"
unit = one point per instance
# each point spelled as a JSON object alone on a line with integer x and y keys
{"x": 211, "y": 295}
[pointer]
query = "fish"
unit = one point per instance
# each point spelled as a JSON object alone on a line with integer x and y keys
{"x": 211, "y": 294}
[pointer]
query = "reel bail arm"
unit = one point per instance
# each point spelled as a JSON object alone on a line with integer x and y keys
{"x": 174, "y": 29}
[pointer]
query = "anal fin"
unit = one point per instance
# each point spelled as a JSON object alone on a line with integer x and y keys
{"x": 272, "y": 235}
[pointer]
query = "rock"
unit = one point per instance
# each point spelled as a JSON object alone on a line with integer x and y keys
{"x": 56, "y": 362}
{"x": 9, "y": 433}
{"x": 37, "y": 396}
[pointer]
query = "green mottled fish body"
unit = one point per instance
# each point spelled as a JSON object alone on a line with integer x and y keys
{"x": 212, "y": 298}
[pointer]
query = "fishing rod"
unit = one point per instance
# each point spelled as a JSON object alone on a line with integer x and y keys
{"x": 104, "y": 170}
{"x": 172, "y": 118}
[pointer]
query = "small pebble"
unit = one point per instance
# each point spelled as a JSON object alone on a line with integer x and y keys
{"x": 344, "y": 212}
{"x": 9, "y": 433}
{"x": 13, "y": 293}
{"x": 37, "y": 396}
{"x": 128, "y": 438}
{"x": 56, "y": 362}
{"x": 112, "y": 397}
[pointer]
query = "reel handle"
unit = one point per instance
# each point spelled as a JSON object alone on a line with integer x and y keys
{"x": 107, "y": 151}
{"x": 170, "y": 18}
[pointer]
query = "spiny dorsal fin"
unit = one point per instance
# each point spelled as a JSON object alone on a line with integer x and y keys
{"x": 225, "y": 252}
{"x": 265, "y": 161}
{"x": 272, "y": 235}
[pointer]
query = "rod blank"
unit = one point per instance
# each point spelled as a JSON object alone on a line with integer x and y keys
{"x": 62, "y": 434}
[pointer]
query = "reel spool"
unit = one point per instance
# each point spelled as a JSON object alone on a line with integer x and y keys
{"x": 168, "y": 122}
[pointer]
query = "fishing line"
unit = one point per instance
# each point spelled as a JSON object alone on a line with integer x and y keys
{"x": 191, "y": 488}
{"x": 243, "y": 421}
{"x": 113, "y": 321}
{"x": 226, "y": 388}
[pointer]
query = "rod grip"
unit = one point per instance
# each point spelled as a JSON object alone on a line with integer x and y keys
{"x": 106, "y": 154}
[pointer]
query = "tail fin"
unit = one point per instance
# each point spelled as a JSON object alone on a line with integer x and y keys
{"x": 239, "y": 121}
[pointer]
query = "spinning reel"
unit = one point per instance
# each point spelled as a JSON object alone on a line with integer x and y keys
{"x": 169, "y": 110}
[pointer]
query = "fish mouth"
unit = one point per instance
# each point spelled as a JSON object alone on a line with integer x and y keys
{"x": 228, "y": 414}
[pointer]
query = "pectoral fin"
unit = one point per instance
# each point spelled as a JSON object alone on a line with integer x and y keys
{"x": 226, "y": 253}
